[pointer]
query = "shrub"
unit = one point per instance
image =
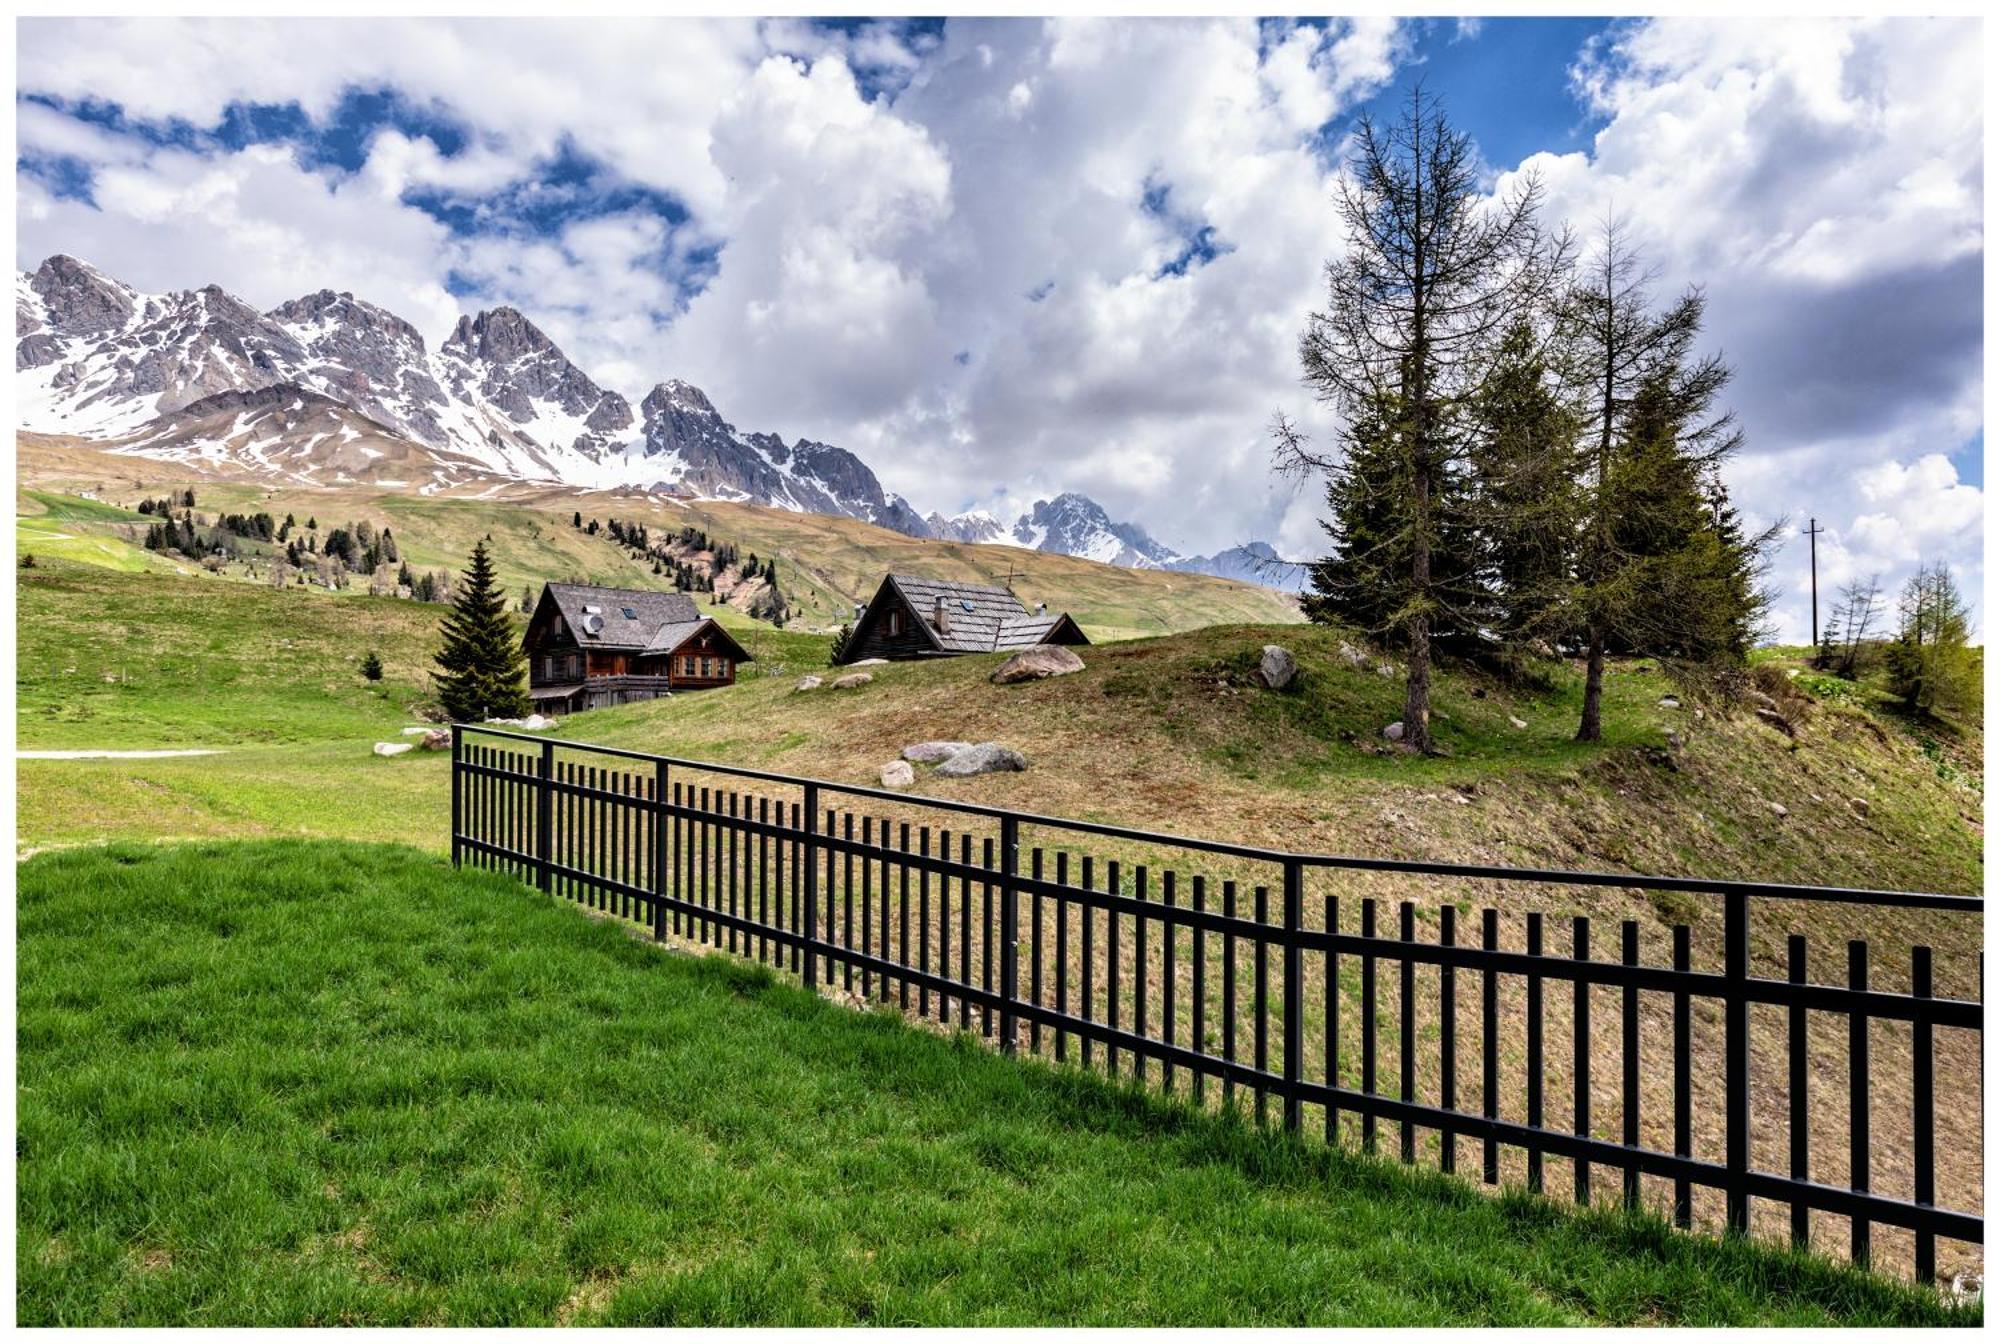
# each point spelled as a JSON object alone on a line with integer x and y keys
{"x": 371, "y": 666}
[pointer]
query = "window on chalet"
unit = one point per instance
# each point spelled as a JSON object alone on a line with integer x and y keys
{"x": 896, "y": 622}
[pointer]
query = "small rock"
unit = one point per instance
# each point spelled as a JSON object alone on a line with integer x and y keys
{"x": 1517, "y": 723}
{"x": 1779, "y": 810}
{"x": 413, "y": 732}
{"x": 1277, "y": 667}
{"x": 1777, "y": 721}
{"x": 898, "y": 775}
{"x": 1860, "y": 805}
{"x": 869, "y": 662}
{"x": 808, "y": 684}
{"x": 1670, "y": 702}
{"x": 1394, "y": 818}
{"x": 537, "y": 721}
{"x": 1674, "y": 742}
{"x": 1352, "y": 654}
{"x": 985, "y": 758}
{"x": 930, "y": 753}
{"x": 1394, "y": 732}
{"x": 1044, "y": 660}
{"x": 437, "y": 739}
{"x": 1385, "y": 670}
{"x": 851, "y": 680}
{"x": 394, "y": 748}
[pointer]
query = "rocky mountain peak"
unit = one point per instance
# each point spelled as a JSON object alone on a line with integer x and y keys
{"x": 498, "y": 336}
{"x": 342, "y": 311}
{"x": 80, "y": 298}
{"x": 675, "y": 397}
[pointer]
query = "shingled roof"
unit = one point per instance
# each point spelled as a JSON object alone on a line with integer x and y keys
{"x": 651, "y": 615}
{"x": 978, "y": 619}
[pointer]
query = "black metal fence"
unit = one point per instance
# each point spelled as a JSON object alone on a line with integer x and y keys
{"x": 1769, "y": 1103}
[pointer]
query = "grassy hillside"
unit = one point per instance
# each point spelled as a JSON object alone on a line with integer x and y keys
{"x": 293, "y": 1084}
{"x": 825, "y": 564}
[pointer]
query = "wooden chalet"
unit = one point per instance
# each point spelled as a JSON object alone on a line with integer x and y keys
{"x": 933, "y": 618}
{"x": 591, "y": 647}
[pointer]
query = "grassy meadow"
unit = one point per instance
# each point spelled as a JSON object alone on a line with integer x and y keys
{"x": 288, "y": 1083}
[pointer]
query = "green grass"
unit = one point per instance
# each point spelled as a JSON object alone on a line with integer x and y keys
{"x": 290, "y": 1083}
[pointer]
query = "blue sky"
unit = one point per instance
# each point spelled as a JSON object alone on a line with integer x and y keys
{"x": 1005, "y": 258}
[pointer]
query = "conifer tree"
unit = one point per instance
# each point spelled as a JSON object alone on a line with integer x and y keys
{"x": 481, "y": 666}
{"x": 1930, "y": 666}
{"x": 1432, "y": 273}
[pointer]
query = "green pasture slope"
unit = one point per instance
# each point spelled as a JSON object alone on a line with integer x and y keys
{"x": 291, "y": 1083}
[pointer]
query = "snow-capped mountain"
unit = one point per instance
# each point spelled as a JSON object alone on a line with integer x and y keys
{"x": 1252, "y": 562}
{"x": 98, "y": 359}
{"x": 976, "y": 526}
{"x": 328, "y": 388}
{"x": 1073, "y": 524}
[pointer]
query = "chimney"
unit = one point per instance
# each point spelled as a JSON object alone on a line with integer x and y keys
{"x": 1041, "y": 608}
{"x": 939, "y": 619}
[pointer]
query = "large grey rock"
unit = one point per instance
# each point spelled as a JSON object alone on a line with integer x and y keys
{"x": 898, "y": 775}
{"x": 1044, "y": 660}
{"x": 394, "y": 748}
{"x": 852, "y": 680}
{"x": 930, "y": 753}
{"x": 1394, "y": 732}
{"x": 984, "y": 758}
{"x": 437, "y": 739}
{"x": 1277, "y": 667}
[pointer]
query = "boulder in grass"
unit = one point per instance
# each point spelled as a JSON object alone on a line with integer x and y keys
{"x": 984, "y": 758}
{"x": 1277, "y": 667}
{"x": 437, "y": 739}
{"x": 394, "y": 748}
{"x": 1044, "y": 660}
{"x": 808, "y": 684}
{"x": 898, "y": 775}
{"x": 930, "y": 753}
{"x": 1394, "y": 732}
{"x": 851, "y": 680}
{"x": 869, "y": 662}
{"x": 1516, "y": 722}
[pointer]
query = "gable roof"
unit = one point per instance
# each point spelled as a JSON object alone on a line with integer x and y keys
{"x": 651, "y": 613}
{"x": 978, "y": 618}
{"x": 671, "y": 637}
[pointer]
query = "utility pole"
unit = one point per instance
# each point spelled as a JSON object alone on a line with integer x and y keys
{"x": 1813, "y": 529}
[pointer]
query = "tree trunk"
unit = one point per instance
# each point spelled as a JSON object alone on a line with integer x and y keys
{"x": 1417, "y": 687}
{"x": 1592, "y": 727}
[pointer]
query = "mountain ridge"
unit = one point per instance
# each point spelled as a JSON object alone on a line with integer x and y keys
{"x": 497, "y": 398}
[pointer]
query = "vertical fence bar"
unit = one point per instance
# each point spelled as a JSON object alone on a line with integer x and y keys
{"x": 965, "y": 929}
{"x": 1736, "y": 1031}
{"x": 660, "y": 888}
{"x": 1010, "y": 931}
{"x": 1683, "y": 1079}
{"x": 1368, "y": 1022}
{"x": 903, "y": 912}
{"x": 924, "y": 919}
{"x": 1035, "y": 951}
{"x": 1116, "y": 888}
{"x": 1797, "y": 1086}
{"x": 1447, "y": 1038}
{"x": 1629, "y": 1106}
{"x": 1580, "y": 1055}
{"x": 457, "y": 795}
{"x": 1198, "y": 942}
{"x": 1534, "y": 1053}
{"x": 1489, "y": 1044}
{"x": 1406, "y": 1025}
{"x": 986, "y": 937}
{"x": 1261, "y": 1018}
{"x": 810, "y": 929}
{"x": 1330, "y": 916}
{"x": 1857, "y": 1097}
{"x": 1923, "y": 1108}
{"x": 1295, "y": 991}
{"x": 1062, "y": 953}
{"x": 1170, "y": 931}
{"x": 1229, "y": 993}
{"x": 1139, "y": 923}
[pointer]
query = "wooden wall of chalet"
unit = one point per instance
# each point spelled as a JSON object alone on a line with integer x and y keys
{"x": 875, "y": 641}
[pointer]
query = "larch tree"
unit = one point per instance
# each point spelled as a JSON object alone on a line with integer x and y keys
{"x": 1433, "y": 270}
{"x": 481, "y": 668}
{"x": 1663, "y": 565}
{"x": 1930, "y": 664}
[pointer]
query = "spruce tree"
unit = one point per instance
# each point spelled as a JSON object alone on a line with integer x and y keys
{"x": 1433, "y": 271}
{"x": 481, "y": 666}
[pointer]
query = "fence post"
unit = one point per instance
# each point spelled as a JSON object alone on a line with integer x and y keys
{"x": 1294, "y": 990}
{"x": 1736, "y": 1031}
{"x": 457, "y": 795}
{"x": 660, "y": 851}
{"x": 812, "y": 886}
{"x": 544, "y": 815}
{"x": 1010, "y": 944}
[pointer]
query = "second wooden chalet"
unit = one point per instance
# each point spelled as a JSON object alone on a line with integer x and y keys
{"x": 911, "y": 617}
{"x": 591, "y": 647}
